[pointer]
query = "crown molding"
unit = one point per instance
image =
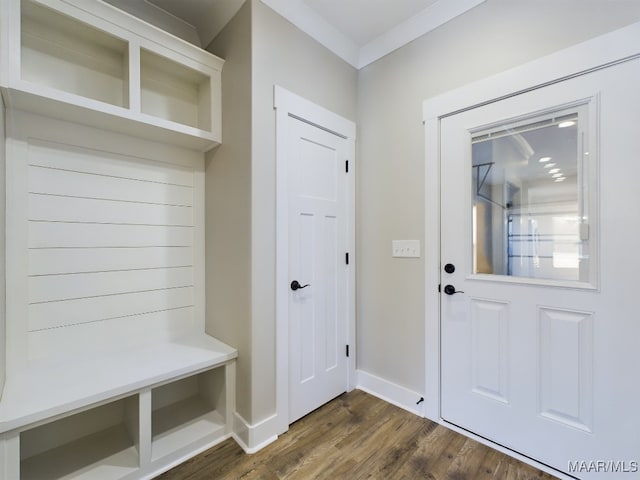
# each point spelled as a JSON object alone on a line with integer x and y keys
{"x": 414, "y": 27}
{"x": 310, "y": 22}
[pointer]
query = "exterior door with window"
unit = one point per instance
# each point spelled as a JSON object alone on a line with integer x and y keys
{"x": 540, "y": 220}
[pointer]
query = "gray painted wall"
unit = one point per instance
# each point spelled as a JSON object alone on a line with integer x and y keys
{"x": 261, "y": 49}
{"x": 489, "y": 39}
{"x": 3, "y": 323}
{"x": 228, "y": 206}
{"x": 285, "y": 56}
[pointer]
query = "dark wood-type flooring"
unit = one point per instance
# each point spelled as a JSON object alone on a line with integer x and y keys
{"x": 359, "y": 436}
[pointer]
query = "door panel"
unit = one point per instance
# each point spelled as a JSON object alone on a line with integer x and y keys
{"x": 539, "y": 343}
{"x": 318, "y": 241}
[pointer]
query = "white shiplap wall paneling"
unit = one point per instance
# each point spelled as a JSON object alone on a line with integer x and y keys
{"x": 110, "y": 235}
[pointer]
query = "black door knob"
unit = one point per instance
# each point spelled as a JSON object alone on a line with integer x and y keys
{"x": 449, "y": 268}
{"x": 451, "y": 290}
{"x": 295, "y": 285}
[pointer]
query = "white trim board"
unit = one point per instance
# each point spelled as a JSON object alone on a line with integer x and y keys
{"x": 359, "y": 56}
{"x": 253, "y": 438}
{"x": 390, "y": 392}
{"x": 289, "y": 104}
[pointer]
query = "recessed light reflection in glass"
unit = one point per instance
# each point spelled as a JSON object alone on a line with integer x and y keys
{"x": 549, "y": 165}
{"x": 569, "y": 123}
{"x": 544, "y": 159}
{"x": 554, "y": 170}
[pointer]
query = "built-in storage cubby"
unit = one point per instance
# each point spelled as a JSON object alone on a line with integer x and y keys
{"x": 100, "y": 443}
{"x": 61, "y": 53}
{"x": 87, "y": 61}
{"x": 174, "y": 92}
{"x": 192, "y": 408}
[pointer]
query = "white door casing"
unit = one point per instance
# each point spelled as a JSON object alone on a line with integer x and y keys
{"x": 559, "y": 357}
{"x": 315, "y": 218}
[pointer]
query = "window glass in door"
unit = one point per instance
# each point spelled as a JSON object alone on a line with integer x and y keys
{"x": 530, "y": 207}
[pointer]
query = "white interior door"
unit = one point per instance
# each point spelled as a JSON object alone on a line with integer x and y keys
{"x": 318, "y": 243}
{"x": 539, "y": 227}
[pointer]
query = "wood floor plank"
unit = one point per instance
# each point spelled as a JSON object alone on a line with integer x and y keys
{"x": 467, "y": 462}
{"x": 429, "y": 450}
{"x": 358, "y": 436}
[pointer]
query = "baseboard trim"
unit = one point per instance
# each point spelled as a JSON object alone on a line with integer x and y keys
{"x": 390, "y": 392}
{"x": 253, "y": 438}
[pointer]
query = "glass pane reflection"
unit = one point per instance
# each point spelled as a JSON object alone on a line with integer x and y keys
{"x": 528, "y": 214}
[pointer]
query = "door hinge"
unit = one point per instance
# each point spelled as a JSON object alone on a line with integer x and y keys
{"x": 346, "y": 258}
{"x": 346, "y": 166}
{"x": 347, "y": 350}
{"x": 439, "y": 287}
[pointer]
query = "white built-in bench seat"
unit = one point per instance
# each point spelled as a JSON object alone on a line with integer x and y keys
{"x": 46, "y": 391}
{"x": 131, "y": 413}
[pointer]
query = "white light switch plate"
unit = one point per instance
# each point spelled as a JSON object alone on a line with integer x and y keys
{"x": 405, "y": 248}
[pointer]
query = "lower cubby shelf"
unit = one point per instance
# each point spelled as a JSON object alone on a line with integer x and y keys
{"x": 187, "y": 412}
{"x": 93, "y": 445}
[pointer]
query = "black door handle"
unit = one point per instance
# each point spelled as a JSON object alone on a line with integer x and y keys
{"x": 295, "y": 285}
{"x": 451, "y": 290}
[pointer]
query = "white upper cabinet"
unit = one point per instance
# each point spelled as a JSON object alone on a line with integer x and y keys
{"x": 88, "y": 62}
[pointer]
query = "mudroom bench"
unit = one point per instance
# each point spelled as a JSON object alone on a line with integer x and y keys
{"x": 129, "y": 415}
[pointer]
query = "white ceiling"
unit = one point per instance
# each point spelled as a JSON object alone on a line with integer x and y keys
{"x": 358, "y": 31}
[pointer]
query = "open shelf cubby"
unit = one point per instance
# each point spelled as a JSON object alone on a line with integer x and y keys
{"x": 100, "y": 443}
{"x": 62, "y": 53}
{"x": 89, "y": 62}
{"x": 174, "y": 92}
{"x": 188, "y": 411}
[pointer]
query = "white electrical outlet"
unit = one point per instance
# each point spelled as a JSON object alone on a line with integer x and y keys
{"x": 405, "y": 248}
